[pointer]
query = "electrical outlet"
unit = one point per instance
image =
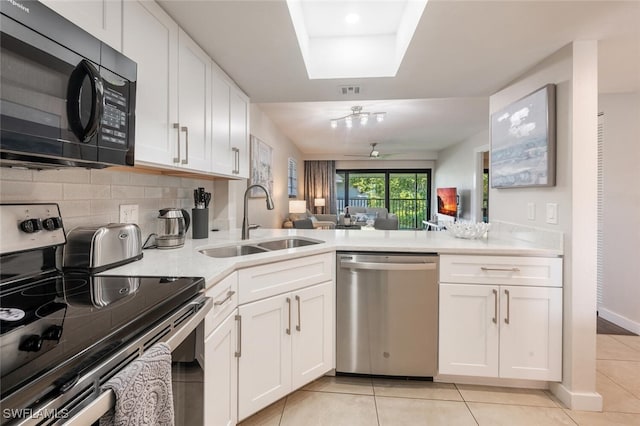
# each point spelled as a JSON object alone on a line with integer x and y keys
{"x": 128, "y": 213}
{"x": 531, "y": 211}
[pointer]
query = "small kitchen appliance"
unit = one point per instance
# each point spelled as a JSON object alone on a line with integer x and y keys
{"x": 173, "y": 224}
{"x": 96, "y": 248}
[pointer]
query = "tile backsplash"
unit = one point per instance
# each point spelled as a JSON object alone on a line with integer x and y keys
{"x": 93, "y": 197}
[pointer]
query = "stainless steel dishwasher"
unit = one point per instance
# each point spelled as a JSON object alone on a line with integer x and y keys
{"x": 387, "y": 314}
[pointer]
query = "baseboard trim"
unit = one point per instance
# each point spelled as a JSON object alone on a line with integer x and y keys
{"x": 619, "y": 320}
{"x": 491, "y": 381}
{"x": 582, "y": 401}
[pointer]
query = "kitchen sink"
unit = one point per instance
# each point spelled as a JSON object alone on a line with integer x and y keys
{"x": 245, "y": 249}
{"x": 287, "y": 243}
{"x": 232, "y": 251}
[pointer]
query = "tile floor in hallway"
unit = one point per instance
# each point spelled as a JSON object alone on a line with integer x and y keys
{"x": 348, "y": 401}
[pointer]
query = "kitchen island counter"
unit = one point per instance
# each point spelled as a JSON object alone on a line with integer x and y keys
{"x": 188, "y": 261}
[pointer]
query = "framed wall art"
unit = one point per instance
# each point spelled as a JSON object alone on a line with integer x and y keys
{"x": 261, "y": 166}
{"x": 523, "y": 141}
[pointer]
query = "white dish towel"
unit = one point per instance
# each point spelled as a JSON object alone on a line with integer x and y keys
{"x": 143, "y": 391}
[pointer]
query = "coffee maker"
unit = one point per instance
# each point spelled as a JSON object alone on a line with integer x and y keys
{"x": 173, "y": 224}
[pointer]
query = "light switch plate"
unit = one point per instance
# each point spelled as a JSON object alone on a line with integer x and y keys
{"x": 552, "y": 213}
{"x": 531, "y": 211}
{"x": 128, "y": 213}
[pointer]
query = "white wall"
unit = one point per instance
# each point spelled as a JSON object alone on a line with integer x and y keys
{"x": 574, "y": 70}
{"x": 456, "y": 167}
{"x": 263, "y": 128}
{"x": 621, "y": 210}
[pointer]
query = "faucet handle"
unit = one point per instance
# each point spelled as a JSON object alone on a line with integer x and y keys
{"x": 254, "y": 226}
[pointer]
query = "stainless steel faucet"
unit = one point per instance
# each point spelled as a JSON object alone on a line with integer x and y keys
{"x": 245, "y": 219}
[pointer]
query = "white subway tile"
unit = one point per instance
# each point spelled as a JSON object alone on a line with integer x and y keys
{"x": 73, "y": 191}
{"x": 127, "y": 192}
{"x": 105, "y": 207}
{"x": 153, "y": 192}
{"x": 30, "y": 191}
{"x": 74, "y": 208}
{"x": 144, "y": 179}
{"x": 72, "y": 175}
{"x": 12, "y": 173}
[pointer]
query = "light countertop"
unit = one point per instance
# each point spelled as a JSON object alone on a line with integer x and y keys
{"x": 188, "y": 261}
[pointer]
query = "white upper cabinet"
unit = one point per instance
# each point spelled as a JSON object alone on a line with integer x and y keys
{"x": 239, "y": 124}
{"x": 173, "y": 98}
{"x": 223, "y": 158}
{"x": 230, "y": 123}
{"x": 194, "y": 105}
{"x": 100, "y": 18}
{"x": 157, "y": 88}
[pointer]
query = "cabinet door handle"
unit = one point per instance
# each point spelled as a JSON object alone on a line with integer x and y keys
{"x": 484, "y": 268}
{"x": 185, "y": 129}
{"x": 177, "y": 126}
{"x": 238, "y": 353}
{"x": 288, "y": 330}
{"x": 230, "y": 293}
{"x": 506, "y": 319}
{"x": 495, "y": 306}
{"x": 236, "y": 161}
{"x": 299, "y": 326}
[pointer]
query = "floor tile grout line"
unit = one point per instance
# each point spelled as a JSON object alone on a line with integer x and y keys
{"x": 624, "y": 343}
{"x": 286, "y": 399}
{"x": 467, "y": 405}
{"x": 615, "y": 381}
{"x": 375, "y": 402}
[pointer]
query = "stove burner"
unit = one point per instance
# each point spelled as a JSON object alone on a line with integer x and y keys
{"x": 48, "y": 288}
{"x": 11, "y": 314}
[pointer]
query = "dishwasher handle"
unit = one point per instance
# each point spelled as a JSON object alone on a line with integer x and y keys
{"x": 382, "y": 266}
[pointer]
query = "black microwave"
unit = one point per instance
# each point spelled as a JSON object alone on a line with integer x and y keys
{"x": 66, "y": 98}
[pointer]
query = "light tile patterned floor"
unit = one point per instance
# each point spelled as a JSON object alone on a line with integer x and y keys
{"x": 336, "y": 401}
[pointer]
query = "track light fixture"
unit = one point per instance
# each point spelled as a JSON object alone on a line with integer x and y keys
{"x": 358, "y": 115}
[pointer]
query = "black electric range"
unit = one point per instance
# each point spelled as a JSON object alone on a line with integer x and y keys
{"x": 57, "y": 327}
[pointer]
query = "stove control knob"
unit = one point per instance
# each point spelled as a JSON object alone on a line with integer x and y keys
{"x": 52, "y": 333}
{"x": 31, "y": 225}
{"x": 32, "y": 343}
{"x": 52, "y": 223}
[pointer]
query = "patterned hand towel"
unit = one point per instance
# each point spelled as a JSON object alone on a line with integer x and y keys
{"x": 143, "y": 391}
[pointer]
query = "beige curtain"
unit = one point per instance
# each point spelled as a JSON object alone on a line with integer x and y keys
{"x": 320, "y": 182}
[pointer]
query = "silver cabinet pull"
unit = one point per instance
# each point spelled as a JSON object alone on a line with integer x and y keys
{"x": 238, "y": 353}
{"x": 506, "y": 319}
{"x": 288, "y": 330}
{"x": 484, "y": 268}
{"x": 230, "y": 293}
{"x": 185, "y": 129}
{"x": 495, "y": 306}
{"x": 177, "y": 126}
{"x": 236, "y": 160}
{"x": 299, "y": 326}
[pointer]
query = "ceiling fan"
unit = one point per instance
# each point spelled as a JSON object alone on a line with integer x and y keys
{"x": 374, "y": 154}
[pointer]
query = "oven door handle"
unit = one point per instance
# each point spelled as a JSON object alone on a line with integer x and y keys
{"x": 107, "y": 400}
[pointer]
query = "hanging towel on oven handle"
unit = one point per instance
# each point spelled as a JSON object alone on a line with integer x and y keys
{"x": 143, "y": 391}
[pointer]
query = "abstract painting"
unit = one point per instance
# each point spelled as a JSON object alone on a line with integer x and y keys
{"x": 261, "y": 166}
{"x": 523, "y": 141}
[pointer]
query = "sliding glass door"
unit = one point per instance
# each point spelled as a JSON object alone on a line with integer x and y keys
{"x": 406, "y": 193}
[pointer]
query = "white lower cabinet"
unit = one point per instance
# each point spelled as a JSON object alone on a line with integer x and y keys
{"x": 286, "y": 342}
{"x": 220, "y": 377}
{"x": 501, "y": 331}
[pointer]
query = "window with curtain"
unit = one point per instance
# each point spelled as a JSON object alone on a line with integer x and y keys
{"x": 292, "y": 178}
{"x": 320, "y": 182}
